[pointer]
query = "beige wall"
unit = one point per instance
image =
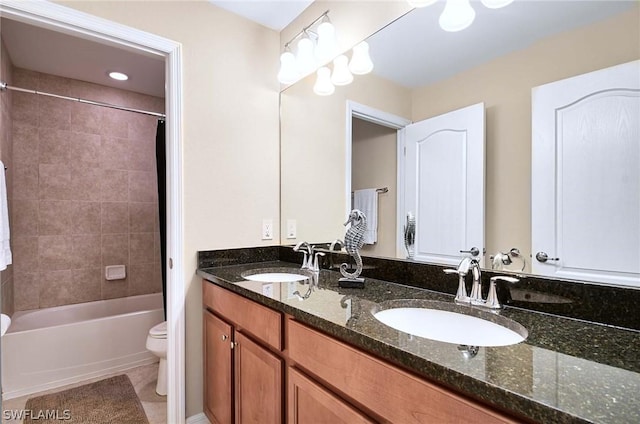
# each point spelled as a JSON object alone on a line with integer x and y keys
{"x": 85, "y": 193}
{"x": 6, "y": 155}
{"x": 504, "y": 85}
{"x": 313, "y": 151}
{"x": 374, "y": 165}
{"x": 230, "y": 135}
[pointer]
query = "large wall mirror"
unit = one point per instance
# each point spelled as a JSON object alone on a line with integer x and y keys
{"x": 420, "y": 72}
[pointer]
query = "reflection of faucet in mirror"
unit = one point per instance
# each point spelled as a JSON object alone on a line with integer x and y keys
{"x": 354, "y": 240}
{"x": 501, "y": 259}
{"x": 410, "y": 234}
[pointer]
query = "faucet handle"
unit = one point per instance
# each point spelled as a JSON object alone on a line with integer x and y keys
{"x": 450, "y": 271}
{"x": 461, "y": 294}
{"x": 315, "y": 267}
{"x": 492, "y": 297}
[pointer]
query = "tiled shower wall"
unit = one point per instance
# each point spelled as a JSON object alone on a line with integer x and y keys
{"x": 6, "y": 276}
{"x": 85, "y": 193}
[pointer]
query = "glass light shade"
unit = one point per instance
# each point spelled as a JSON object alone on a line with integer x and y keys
{"x": 341, "y": 74}
{"x": 360, "y": 61}
{"x": 288, "y": 73}
{"x": 323, "y": 85}
{"x": 421, "y": 3}
{"x": 305, "y": 57}
{"x": 496, "y": 4}
{"x": 457, "y": 15}
{"x": 326, "y": 47}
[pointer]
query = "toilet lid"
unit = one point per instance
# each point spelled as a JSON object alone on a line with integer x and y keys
{"x": 159, "y": 331}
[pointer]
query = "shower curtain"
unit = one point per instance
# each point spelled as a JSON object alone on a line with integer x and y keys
{"x": 161, "y": 168}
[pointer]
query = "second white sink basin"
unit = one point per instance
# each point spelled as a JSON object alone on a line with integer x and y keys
{"x": 6, "y": 322}
{"x": 275, "y": 277}
{"x": 453, "y": 327}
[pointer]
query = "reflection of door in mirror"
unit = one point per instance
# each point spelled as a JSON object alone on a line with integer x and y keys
{"x": 444, "y": 184}
{"x": 586, "y": 176}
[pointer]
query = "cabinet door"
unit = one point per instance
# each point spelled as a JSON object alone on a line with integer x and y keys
{"x": 258, "y": 383}
{"x": 309, "y": 403}
{"x": 218, "y": 404}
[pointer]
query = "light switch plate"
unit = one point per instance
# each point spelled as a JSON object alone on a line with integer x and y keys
{"x": 291, "y": 229}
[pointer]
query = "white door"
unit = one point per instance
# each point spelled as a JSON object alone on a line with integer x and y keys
{"x": 585, "y": 176}
{"x": 444, "y": 184}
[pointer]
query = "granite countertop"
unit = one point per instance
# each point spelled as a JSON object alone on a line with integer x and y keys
{"x": 566, "y": 371}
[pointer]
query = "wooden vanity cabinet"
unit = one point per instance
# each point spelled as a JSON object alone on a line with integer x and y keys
{"x": 310, "y": 403}
{"x": 243, "y": 377}
{"x": 327, "y": 380}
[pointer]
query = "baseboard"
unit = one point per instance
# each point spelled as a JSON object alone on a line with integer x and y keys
{"x": 198, "y": 419}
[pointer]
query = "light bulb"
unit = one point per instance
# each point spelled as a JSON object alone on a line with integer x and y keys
{"x": 288, "y": 73}
{"x": 323, "y": 86}
{"x": 304, "y": 57}
{"x": 360, "y": 61}
{"x": 341, "y": 74}
{"x": 496, "y": 4}
{"x": 326, "y": 46}
{"x": 457, "y": 15}
{"x": 421, "y": 3}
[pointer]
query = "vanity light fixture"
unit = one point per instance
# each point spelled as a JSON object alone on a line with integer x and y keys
{"x": 289, "y": 72}
{"x": 360, "y": 61}
{"x": 316, "y": 47}
{"x": 323, "y": 85}
{"x": 118, "y": 76}
{"x": 458, "y": 14}
{"x": 341, "y": 74}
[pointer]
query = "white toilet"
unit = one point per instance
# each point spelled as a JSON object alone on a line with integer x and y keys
{"x": 157, "y": 344}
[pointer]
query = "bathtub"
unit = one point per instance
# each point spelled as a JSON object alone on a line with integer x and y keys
{"x": 53, "y": 347}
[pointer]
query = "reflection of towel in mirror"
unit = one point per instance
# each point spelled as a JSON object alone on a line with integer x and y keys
{"x": 367, "y": 201}
{"x": 5, "y": 247}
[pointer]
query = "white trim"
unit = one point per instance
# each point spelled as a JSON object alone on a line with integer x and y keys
{"x": 200, "y": 418}
{"x": 398, "y": 123}
{"x": 59, "y": 18}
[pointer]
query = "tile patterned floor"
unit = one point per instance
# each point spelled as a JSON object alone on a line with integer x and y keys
{"x": 143, "y": 380}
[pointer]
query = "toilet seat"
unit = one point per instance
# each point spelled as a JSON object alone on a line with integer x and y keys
{"x": 159, "y": 331}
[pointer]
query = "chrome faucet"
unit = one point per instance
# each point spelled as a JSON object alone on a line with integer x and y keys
{"x": 310, "y": 260}
{"x": 475, "y": 298}
{"x": 464, "y": 266}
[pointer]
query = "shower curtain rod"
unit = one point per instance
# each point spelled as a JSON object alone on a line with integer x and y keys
{"x": 4, "y": 86}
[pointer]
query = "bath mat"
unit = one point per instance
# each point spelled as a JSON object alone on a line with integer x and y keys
{"x": 109, "y": 401}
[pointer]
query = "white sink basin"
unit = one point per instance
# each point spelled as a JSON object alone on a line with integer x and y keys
{"x": 275, "y": 277}
{"x": 6, "y": 322}
{"x": 452, "y": 327}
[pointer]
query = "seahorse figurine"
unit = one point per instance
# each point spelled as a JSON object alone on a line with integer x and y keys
{"x": 353, "y": 242}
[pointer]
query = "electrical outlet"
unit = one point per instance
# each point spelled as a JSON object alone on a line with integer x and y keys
{"x": 291, "y": 229}
{"x": 267, "y": 229}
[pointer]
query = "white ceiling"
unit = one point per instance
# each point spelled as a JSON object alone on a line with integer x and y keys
{"x": 55, "y": 53}
{"x": 272, "y": 14}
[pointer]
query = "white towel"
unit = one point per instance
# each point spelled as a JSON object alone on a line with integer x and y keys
{"x": 5, "y": 247}
{"x": 367, "y": 201}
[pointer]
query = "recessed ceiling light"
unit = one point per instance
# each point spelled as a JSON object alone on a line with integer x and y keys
{"x": 118, "y": 76}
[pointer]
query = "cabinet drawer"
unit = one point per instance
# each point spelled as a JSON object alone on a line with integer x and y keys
{"x": 386, "y": 390}
{"x": 261, "y": 322}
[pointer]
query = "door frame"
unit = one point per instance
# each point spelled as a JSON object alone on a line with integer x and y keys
{"x": 82, "y": 25}
{"x": 388, "y": 120}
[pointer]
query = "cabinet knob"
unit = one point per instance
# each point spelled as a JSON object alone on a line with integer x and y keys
{"x": 224, "y": 337}
{"x": 234, "y": 344}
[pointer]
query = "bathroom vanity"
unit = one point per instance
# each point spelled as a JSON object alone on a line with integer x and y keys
{"x": 310, "y": 351}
